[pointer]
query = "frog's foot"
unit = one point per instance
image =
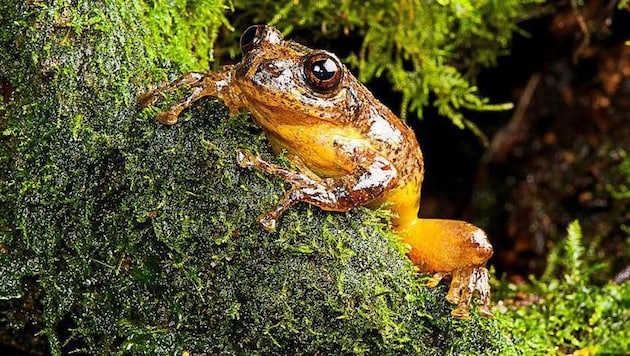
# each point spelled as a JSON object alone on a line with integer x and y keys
{"x": 269, "y": 219}
{"x": 149, "y": 99}
{"x": 267, "y": 222}
{"x": 436, "y": 278}
{"x": 465, "y": 282}
{"x": 216, "y": 84}
{"x": 170, "y": 116}
{"x": 167, "y": 118}
{"x": 455, "y": 248}
{"x": 246, "y": 159}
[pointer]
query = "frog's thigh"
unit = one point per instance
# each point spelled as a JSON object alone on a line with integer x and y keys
{"x": 440, "y": 245}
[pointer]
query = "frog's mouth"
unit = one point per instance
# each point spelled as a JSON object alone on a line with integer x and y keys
{"x": 272, "y": 114}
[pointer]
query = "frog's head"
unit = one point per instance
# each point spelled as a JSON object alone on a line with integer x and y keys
{"x": 283, "y": 80}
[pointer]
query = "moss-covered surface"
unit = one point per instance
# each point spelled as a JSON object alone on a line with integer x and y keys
{"x": 564, "y": 311}
{"x": 120, "y": 235}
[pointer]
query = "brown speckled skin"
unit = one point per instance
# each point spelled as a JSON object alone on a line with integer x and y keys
{"x": 349, "y": 148}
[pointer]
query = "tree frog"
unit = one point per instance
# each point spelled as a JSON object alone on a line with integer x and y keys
{"x": 349, "y": 149}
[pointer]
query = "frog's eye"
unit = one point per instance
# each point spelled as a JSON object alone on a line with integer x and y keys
{"x": 251, "y": 37}
{"x": 323, "y": 71}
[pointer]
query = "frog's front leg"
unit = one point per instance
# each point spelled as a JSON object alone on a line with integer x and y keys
{"x": 372, "y": 177}
{"x": 216, "y": 84}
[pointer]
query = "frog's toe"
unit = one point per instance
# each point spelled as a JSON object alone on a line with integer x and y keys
{"x": 166, "y": 118}
{"x": 466, "y": 281}
{"x": 268, "y": 222}
{"x": 484, "y": 310}
{"x": 244, "y": 159}
{"x": 146, "y": 100}
{"x": 436, "y": 278}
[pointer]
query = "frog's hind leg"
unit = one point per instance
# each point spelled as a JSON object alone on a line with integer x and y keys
{"x": 458, "y": 249}
{"x": 200, "y": 84}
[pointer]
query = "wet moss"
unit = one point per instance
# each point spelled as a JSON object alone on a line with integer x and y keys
{"x": 120, "y": 235}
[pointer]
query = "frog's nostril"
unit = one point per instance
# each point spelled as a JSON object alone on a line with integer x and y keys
{"x": 272, "y": 68}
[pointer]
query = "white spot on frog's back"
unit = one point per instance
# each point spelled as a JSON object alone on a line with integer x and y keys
{"x": 383, "y": 129}
{"x": 380, "y": 173}
{"x": 220, "y": 85}
{"x": 480, "y": 238}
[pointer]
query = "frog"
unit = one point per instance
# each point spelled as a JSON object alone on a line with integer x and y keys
{"x": 347, "y": 149}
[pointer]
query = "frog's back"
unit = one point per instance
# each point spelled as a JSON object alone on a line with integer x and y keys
{"x": 397, "y": 142}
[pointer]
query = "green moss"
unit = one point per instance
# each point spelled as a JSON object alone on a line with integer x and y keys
{"x": 568, "y": 312}
{"x": 619, "y": 187}
{"x": 184, "y": 31}
{"x": 119, "y": 235}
